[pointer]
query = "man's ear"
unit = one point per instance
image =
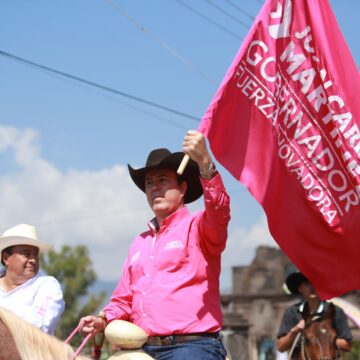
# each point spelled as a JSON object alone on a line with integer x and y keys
{"x": 4, "y": 257}
{"x": 183, "y": 188}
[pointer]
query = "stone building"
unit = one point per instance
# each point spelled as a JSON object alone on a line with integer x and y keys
{"x": 253, "y": 311}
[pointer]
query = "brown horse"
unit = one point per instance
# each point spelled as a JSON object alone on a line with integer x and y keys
{"x": 20, "y": 340}
{"x": 318, "y": 337}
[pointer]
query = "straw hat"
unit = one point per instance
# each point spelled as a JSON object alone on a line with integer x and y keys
{"x": 22, "y": 234}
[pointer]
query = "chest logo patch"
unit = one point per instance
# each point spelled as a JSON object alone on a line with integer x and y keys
{"x": 173, "y": 244}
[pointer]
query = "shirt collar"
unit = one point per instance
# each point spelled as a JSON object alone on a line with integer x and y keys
{"x": 319, "y": 310}
{"x": 180, "y": 213}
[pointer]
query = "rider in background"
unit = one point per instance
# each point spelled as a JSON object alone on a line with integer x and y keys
{"x": 170, "y": 281}
{"x": 33, "y": 296}
{"x": 292, "y": 322}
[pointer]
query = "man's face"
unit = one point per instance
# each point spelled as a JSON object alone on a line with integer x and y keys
{"x": 23, "y": 262}
{"x": 307, "y": 290}
{"x": 163, "y": 192}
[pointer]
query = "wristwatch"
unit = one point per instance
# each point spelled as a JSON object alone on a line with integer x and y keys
{"x": 208, "y": 171}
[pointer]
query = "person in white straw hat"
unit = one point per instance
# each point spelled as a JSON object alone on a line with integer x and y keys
{"x": 30, "y": 294}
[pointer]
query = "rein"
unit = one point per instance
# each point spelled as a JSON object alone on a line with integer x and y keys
{"x": 96, "y": 346}
{"x": 304, "y": 353}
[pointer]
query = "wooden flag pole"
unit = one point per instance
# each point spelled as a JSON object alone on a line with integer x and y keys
{"x": 183, "y": 164}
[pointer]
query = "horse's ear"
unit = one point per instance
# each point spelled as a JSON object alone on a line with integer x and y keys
{"x": 306, "y": 313}
{"x": 330, "y": 312}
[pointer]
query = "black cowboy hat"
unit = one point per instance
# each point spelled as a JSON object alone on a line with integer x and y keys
{"x": 294, "y": 280}
{"x": 164, "y": 159}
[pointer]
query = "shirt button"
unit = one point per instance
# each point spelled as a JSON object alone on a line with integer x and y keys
{"x": 147, "y": 275}
{"x": 216, "y": 207}
{"x": 144, "y": 293}
{"x": 144, "y": 315}
{"x": 151, "y": 257}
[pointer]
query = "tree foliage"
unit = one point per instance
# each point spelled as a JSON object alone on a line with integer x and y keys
{"x": 73, "y": 269}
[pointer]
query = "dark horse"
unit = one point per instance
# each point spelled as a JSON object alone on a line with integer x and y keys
{"x": 318, "y": 337}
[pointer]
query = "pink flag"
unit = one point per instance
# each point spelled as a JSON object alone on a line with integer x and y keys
{"x": 286, "y": 122}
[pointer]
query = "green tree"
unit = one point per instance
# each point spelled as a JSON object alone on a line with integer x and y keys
{"x": 73, "y": 269}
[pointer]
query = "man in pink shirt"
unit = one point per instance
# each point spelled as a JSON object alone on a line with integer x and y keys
{"x": 170, "y": 280}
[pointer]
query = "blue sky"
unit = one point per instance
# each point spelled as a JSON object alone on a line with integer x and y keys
{"x": 64, "y": 146}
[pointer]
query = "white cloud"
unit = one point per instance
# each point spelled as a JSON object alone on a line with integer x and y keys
{"x": 241, "y": 247}
{"x": 100, "y": 208}
{"x": 242, "y": 243}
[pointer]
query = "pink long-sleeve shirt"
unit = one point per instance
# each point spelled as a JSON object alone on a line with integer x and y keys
{"x": 170, "y": 280}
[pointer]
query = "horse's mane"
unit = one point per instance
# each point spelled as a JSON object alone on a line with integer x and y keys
{"x": 33, "y": 343}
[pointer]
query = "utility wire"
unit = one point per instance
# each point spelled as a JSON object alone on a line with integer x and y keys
{"x": 240, "y": 9}
{"x": 116, "y": 99}
{"x": 175, "y": 53}
{"x": 247, "y": 26}
{"x": 236, "y": 36}
{"x": 99, "y": 86}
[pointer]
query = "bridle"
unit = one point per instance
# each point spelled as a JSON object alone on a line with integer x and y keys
{"x": 304, "y": 351}
{"x": 305, "y": 355}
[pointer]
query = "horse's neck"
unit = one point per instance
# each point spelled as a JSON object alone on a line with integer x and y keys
{"x": 7, "y": 344}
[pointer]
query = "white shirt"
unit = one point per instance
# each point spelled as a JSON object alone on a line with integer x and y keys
{"x": 38, "y": 301}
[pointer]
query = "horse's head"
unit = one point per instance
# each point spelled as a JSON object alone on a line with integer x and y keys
{"x": 319, "y": 336}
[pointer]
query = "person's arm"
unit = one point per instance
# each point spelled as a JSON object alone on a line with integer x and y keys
{"x": 216, "y": 217}
{"x": 285, "y": 342}
{"x": 343, "y": 344}
{"x": 92, "y": 324}
{"x": 343, "y": 333}
{"x": 120, "y": 305}
{"x": 48, "y": 304}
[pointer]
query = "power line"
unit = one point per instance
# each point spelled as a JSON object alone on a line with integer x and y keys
{"x": 99, "y": 86}
{"x": 228, "y": 14}
{"x": 111, "y": 98}
{"x": 210, "y": 20}
{"x": 117, "y": 100}
{"x": 240, "y": 9}
{"x": 174, "y": 52}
